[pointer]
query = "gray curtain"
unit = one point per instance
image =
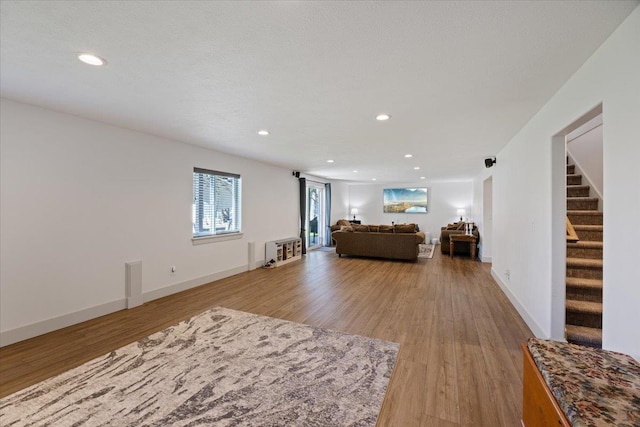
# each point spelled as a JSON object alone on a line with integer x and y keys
{"x": 303, "y": 213}
{"x": 327, "y": 213}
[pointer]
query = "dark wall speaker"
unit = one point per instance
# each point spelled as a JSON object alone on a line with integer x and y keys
{"x": 296, "y": 174}
{"x": 489, "y": 161}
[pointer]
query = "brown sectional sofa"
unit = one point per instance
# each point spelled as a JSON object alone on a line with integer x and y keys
{"x": 456, "y": 228}
{"x": 380, "y": 241}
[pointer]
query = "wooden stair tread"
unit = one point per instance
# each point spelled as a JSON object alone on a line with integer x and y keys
{"x": 583, "y": 281}
{"x": 590, "y": 244}
{"x": 588, "y": 227}
{"x": 583, "y": 334}
{"x": 593, "y": 212}
{"x": 578, "y": 282}
{"x": 584, "y": 263}
{"x": 589, "y": 307}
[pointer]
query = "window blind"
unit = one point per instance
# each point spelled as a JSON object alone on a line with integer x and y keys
{"x": 216, "y": 202}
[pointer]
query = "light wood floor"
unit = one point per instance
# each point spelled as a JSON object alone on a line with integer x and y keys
{"x": 459, "y": 363}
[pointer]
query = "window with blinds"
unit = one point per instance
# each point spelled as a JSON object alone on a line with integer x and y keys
{"x": 216, "y": 202}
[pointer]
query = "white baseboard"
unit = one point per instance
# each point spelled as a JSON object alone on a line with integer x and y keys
{"x": 529, "y": 320}
{"x": 33, "y": 330}
{"x": 39, "y": 328}
{"x": 193, "y": 283}
{"x": 486, "y": 259}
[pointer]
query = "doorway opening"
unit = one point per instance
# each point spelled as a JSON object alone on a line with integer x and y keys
{"x": 571, "y": 206}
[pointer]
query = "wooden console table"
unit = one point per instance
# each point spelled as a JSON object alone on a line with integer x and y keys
{"x": 464, "y": 238}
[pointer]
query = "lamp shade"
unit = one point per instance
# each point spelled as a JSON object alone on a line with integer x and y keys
{"x": 354, "y": 211}
{"x": 461, "y": 212}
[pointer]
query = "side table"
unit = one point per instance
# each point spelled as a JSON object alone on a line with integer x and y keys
{"x": 464, "y": 238}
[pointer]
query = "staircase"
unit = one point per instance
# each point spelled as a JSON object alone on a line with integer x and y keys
{"x": 583, "y": 324}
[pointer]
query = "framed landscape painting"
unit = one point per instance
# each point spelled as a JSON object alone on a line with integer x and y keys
{"x": 405, "y": 200}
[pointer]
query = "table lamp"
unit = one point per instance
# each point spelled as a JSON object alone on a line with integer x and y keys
{"x": 461, "y": 213}
{"x": 354, "y": 212}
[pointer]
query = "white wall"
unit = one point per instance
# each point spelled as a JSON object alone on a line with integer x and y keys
{"x": 80, "y": 198}
{"x": 339, "y": 200}
{"x": 522, "y": 193}
{"x": 444, "y": 199}
{"x": 586, "y": 152}
{"x": 486, "y": 243}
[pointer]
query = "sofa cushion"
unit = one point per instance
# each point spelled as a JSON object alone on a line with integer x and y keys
{"x": 361, "y": 228}
{"x": 343, "y": 222}
{"x": 346, "y": 228}
{"x": 385, "y": 228}
{"x": 374, "y": 228}
{"x": 404, "y": 228}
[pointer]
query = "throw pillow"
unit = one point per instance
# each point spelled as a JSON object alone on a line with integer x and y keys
{"x": 374, "y": 228}
{"x": 405, "y": 228}
{"x": 361, "y": 228}
{"x": 343, "y": 222}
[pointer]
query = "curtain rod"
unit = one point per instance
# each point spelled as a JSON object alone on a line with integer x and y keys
{"x": 317, "y": 182}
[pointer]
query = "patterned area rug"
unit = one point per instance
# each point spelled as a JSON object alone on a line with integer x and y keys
{"x": 425, "y": 251}
{"x": 220, "y": 368}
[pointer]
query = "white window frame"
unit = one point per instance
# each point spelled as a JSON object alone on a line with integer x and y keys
{"x": 216, "y": 230}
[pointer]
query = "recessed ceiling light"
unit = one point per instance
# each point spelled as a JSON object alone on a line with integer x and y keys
{"x": 373, "y": 179}
{"x": 422, "y": 177}
{"x": 417, "y": 168}
{"x": 382, "y": 117}
{"x": 355, "y": 171}
{"x": 408, "y": 156}
{"x": 263, "y": 132}
{"x": 91, "y": 59}
{"x": 329, "y": 161}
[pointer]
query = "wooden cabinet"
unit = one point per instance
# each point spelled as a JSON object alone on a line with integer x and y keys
{"x": 539, "y": 407}
{"x": 469, "y": 239}
{"x": 283, "y": 251}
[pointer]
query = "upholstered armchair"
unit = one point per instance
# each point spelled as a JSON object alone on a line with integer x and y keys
{"x": 336, "y": 227}
{"x": 456, "y": 228}
{"x": 339, "y": 223}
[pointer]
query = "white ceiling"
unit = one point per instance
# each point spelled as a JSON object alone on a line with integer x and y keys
{"x": 458, "y": 78}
